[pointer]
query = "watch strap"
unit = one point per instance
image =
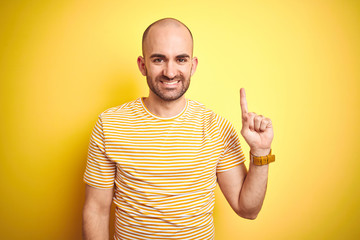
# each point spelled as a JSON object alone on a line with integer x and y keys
{"x": 262, "y": 160}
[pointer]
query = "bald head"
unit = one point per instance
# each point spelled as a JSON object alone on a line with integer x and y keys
{"x": 167, "y": 60}
{"x": 165, "y": 24}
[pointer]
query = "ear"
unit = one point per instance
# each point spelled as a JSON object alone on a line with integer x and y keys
{"x": 141, "y": 65}
{"x": 194, "y": 65}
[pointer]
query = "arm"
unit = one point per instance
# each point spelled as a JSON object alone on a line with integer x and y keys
{"x": 96, "y": 213}
{"x": 244, "y": 191}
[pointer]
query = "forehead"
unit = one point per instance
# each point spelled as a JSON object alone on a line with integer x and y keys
{"x": 168, "y": 40}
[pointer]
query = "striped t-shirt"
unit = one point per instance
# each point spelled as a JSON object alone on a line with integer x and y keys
{"x": 163, "y": 170}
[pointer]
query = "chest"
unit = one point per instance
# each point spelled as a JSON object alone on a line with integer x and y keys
{"x": 163, "y": 148}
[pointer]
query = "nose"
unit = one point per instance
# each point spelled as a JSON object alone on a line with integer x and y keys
{"x": 170, "y": 70}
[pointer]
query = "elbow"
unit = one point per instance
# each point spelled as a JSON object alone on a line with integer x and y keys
{"x": 250, "y": 215}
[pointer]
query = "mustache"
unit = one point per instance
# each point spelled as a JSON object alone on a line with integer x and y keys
{"x": 165, "y": 78}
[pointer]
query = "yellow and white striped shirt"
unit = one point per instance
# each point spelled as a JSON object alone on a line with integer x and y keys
{"x": 164, "y": 169}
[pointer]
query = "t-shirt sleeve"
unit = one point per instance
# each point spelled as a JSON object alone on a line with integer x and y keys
{"x": 232, "y": 154}
{"x": 100, "y": 170}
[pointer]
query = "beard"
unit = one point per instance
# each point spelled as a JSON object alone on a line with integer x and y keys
{"x": 168, "y": 94}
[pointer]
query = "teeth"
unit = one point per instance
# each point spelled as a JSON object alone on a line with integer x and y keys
{"x": 171, "y": 83}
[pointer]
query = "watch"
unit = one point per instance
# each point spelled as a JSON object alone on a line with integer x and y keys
{"x": 262, "y": 160}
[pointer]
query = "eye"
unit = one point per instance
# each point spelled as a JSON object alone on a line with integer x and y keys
{"x": 158, "y": 60}
{"x": 182, "y": 60}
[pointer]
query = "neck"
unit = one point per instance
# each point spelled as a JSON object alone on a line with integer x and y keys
{"x": 164, "y": 109}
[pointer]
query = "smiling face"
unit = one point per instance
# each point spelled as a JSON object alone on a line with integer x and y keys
{"x": 167, "y": 62}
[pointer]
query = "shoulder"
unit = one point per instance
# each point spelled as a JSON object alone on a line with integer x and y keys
{"x": 125, "y": 110}
{"x": 199, "y": 109}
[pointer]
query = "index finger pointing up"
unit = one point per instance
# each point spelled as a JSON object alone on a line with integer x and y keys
{"x": 243, "y": 102}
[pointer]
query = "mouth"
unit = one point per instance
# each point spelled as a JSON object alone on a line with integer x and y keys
{"x": 170, "y": 83}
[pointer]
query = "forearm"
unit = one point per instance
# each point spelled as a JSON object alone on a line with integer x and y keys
{"x": 95, "y": 224}
{"x": 253, "y": 190}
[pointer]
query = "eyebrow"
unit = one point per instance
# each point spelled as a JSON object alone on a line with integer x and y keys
{"x": 157, "y": 55}
{"x": 183, "y": 56}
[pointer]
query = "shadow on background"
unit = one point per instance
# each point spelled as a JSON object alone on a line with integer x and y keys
{"x": 124, "y": 89}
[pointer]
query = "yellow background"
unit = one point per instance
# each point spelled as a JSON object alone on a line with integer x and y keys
{"x": 64, "y": 62}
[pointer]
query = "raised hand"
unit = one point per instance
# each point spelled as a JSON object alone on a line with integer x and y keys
{"x": 257, "y": 130}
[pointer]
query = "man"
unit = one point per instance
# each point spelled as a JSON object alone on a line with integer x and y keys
{"x": 159, "y": 158}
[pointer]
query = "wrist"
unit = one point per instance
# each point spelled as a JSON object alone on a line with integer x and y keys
{"x": 264, "y": 157}
{"x": 258, "y": 152}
